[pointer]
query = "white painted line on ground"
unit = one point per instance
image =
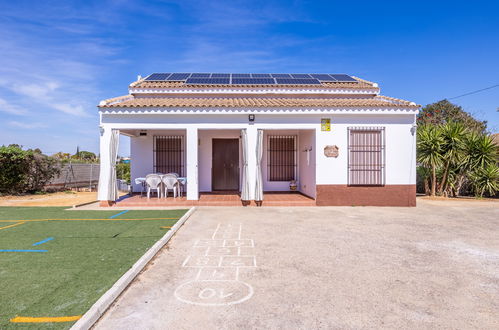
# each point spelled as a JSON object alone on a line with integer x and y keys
{"x": 101, "y": 305}
{"x": 217, "y": 280}
{"x": 215, "y": 233}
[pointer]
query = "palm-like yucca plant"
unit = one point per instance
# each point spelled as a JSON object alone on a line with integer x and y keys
{"x": 480, "y": 150}
{"x": 453, "y": 147}
{"x": 486, "y": 180}
{"x": 429, "y": 147}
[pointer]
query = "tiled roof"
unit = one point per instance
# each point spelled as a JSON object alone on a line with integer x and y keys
{"x": 142, "y": 84}
{"x": 254, "y": 102}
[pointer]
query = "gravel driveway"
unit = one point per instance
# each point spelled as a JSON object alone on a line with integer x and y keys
{"x": 433, "y": 266}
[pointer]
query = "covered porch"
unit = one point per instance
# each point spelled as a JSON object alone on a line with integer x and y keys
{"x": 222, "y": 166}
{"x": 216, "y": 199}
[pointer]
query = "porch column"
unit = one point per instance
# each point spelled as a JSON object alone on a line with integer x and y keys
{"x": 192, "y": 163}
{"x": 252, "y": 132}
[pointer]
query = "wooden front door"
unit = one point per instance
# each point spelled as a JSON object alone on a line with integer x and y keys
{"x": 225, "y": 167}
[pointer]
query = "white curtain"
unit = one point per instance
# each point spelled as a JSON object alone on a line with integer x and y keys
{"x": 259, "y": 178}
{"x": 113, "y": 155}
{"x": 245, "y": 177}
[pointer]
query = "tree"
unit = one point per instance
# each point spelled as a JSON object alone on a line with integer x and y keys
{"x": 452, "y": 157}
{"x": 62, "y": 155}
{"x": 123, "y": 171}
{"x": 453, "y": 136}
{"x": 429, "y": 146}
{"x": 24, "y": 170}
{"x": 486, "y": 179}
{"x": 442, "y": 112}
{"x": 87, "y": 155}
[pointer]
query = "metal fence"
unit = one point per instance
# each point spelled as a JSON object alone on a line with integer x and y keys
{"x": 76, "y": 176}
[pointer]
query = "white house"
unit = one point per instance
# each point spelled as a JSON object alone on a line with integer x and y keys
{"x": 333, "y": 134}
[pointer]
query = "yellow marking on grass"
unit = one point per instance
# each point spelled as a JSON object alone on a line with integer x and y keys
{"x": 16, "y": 224}
{"x": 103, "y": 219}
{"x": 166, "y": 227}
{"x": 23, "y": 319}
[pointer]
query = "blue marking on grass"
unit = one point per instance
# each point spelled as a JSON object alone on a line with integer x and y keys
{"x": 44, "y": 241}
{"x": 116, "y": 215}
{"x": 23, "y": 250}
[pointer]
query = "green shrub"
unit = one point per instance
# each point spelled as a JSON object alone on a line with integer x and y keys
{"x": 23, "y": 171}
{"x": 123, "y": 171}
{"x": 485, "y": 180}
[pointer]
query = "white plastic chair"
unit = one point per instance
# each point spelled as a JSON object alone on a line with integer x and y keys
{"x": 179, "y": 186}
{"x": 153, "y": 181}
{"x": 171, "y": 183}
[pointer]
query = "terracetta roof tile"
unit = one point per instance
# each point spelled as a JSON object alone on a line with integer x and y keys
{"x": 258, "y": 102}
{"x": 361, "y": 84}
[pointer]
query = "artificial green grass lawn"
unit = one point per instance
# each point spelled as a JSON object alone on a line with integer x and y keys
{"x": 82, "y": 262}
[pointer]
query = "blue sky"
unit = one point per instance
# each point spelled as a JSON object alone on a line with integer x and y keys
{"x": 58, "y": 59}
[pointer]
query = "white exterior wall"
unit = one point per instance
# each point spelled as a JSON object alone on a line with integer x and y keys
{"x": 400, "y": 152}
{"x": 400, "y": 142}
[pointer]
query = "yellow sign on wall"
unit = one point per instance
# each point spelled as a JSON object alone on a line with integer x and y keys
{"x": 326, "y": 124}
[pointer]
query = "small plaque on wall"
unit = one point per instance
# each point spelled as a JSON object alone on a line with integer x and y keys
{"x": 326, "y": 124}
{"x": 331, "y": 151}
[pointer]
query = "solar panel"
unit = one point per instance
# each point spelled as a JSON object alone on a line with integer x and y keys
{"x": 158, "y": 76}
{"x": 252, "y": 78}
{"x": 179, "y": 76}
{"x": 253, "y": 81}
{"x": 297, "y": 81}
{"x": 322, "y": 77}
{"x": 343, "y": 77}
{"x": 208, "y": 81}
{"x": 200, "y": 75}
{"x": 220, "y": 75}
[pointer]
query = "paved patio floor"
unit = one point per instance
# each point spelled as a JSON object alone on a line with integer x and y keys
{"x": 433, "y": 266}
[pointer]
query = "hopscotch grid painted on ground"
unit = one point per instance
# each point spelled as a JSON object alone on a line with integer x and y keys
{"x": 217, "y": 281}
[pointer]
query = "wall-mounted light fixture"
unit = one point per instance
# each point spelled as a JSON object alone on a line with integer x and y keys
{"x": 251, "y": 118}
{"x": 143, "y": 133}
{"x": 413, "y": 129}
{"x": 308, "y": 150}
{"x": 101, "y": 130}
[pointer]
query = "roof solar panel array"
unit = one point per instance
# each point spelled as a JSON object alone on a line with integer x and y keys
{"x": 158, "y": 76}
{"x": 220, "y": 75}
{"x": 241, "y": 75}
{"x": 253, "y": 81}
{"x": 297, "y": 81}
{"x": 251, "y": 78}
{"x": 179, "y": 76}
{"x": 200, "y": 75}
{"x": 343, "y": 77}
{"x": 208, "y": 81}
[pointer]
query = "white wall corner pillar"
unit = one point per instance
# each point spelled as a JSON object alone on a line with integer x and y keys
{"x": 252, "y": 132}
{"x": 192, "y": 163}
{"x": 105, "y": 167}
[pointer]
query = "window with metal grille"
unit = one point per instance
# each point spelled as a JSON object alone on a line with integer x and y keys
{"x": 169, "y": 154}
{"x": 281, "y": 160}
{"x": 366, "y": 156}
